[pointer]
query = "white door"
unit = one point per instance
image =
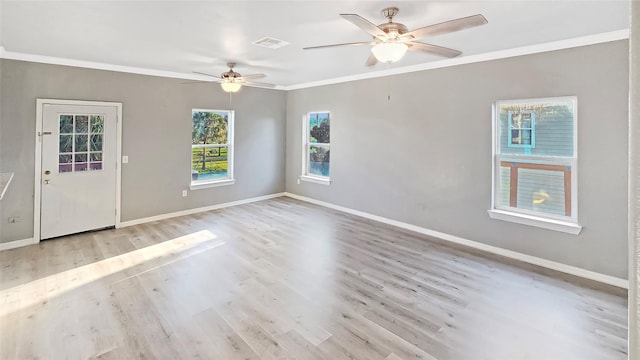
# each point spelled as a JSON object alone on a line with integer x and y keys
{"x": 78, "y": 189}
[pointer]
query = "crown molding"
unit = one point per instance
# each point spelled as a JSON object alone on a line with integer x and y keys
{"x": 494, "y": 55}
{"x": 11, "y": 55}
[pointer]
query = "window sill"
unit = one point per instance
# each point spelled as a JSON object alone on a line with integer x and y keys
{"x": 550, "y": 224}
{"x": 317, "y": 180}
{"x": 204, "y": 185}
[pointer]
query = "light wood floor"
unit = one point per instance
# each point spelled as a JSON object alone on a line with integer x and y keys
{"x": 281, "y": 279}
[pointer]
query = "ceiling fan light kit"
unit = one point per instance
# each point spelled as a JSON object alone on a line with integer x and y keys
{"x": 230, "y": 86}
{"x": 389, "y": 51}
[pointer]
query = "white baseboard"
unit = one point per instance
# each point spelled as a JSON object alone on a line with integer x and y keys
{"x": 568, "y": 269}
{"x": 17, "y": 243}
{"x": 197, "y": 210}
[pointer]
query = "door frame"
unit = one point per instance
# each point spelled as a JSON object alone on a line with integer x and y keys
{"x": 40, "y": 103}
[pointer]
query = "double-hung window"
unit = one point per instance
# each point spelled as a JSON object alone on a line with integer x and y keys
{"x": 211, "y": 148}
{"x": 316, "y": 133}
{"x": 535, "y": 163}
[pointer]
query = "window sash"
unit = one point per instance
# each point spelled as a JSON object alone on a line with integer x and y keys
{"x": 307, "y": 171}
{"x": 204, "y": 146}
{"x": 229, "y": 163}
{"x": 537, "y": 163}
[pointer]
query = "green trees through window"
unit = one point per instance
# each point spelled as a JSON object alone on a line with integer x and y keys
{"x": 210, "y": 145}
{"x": 318, "y": 144}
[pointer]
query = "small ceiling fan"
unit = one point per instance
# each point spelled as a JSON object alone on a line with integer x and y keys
{"x": 391, "y": 40}
{"x": 232, "y": 81}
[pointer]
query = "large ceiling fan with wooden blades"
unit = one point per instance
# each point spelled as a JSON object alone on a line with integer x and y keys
{"x": 232, "y": 81}
{"x": 391, "y": 40}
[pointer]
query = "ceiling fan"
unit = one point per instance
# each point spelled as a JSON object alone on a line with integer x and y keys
{"x": 232, "y": 81}
{"x": 391, "y": 40}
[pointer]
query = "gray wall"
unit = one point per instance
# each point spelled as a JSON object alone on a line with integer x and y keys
{"x": 424, "y": 157}
{"x": 156, "y": 137}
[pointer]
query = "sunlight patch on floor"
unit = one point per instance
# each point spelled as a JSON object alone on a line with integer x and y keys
{"x": 25, "y": 295}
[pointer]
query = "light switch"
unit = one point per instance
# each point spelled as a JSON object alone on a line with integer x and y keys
{"x": 125, "y": 159}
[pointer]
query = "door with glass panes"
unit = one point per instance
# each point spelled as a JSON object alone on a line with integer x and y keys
{"x": 78, "y": 189}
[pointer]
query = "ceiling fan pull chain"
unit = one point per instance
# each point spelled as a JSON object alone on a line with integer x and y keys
{"x": 388, "y": 84}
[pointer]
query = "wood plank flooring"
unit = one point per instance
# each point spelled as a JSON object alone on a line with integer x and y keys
{"x": 282, "y": 279}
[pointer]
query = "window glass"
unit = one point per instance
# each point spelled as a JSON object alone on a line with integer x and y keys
{"x": 211, "y": 147}
{"x": 317, "y": 147}
{"x": 536, "y": 157}
{"x": 80, "y": 142}
{"x": 544, "y": 129}
{"x": 319, "y": 160}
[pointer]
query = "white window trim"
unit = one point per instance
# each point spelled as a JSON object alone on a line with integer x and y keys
{"x": 305, "y": 176}
{"x": 210, "y": 184}
{"x": 229, "y": 180}
{"x": 316, "y": 179}
{"x": 522, "y": 216}
{"x": 537, "y": 221}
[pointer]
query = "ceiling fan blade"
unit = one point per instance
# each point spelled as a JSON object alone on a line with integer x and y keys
{"x": 260, "y": 84}
{"x": 253, "y": 76}
{"x": 196, "y": 82}
{"x": 205, "y": 74}
{"x": 372, "y": 60}
{"x": 345, "y": 44}
{"x": 365, "y": 25}
{"x": 446, "y": 27}
{"x": 433, "y": 49}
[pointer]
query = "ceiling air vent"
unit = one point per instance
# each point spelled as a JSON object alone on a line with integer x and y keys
{"x": 270, "y": 43}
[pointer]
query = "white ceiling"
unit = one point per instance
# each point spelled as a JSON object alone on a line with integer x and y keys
{"x": 186, "y": 36}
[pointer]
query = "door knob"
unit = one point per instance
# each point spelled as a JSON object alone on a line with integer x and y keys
{"x": 46, "y": 181}
{"x": 47, "y": 172}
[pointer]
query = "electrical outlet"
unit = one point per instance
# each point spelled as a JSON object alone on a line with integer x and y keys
{"x": 184, "y": 193}
{"x": 13, "y": 219}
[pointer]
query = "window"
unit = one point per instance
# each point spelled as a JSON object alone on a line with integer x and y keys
{"x": 522, "y": 129}
{"x": 535, "y": 163}
{"x": 80, "y": 142}
{"x": 316, "y": 147}
{"x": 211, "y": 148}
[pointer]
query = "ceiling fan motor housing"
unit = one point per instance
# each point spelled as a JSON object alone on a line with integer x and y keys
{"x": 393, "y": 29}
{"x": 230, "y": 75}
{"x": 390, "y": 28}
